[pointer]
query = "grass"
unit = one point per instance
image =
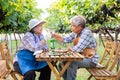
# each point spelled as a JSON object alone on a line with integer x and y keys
{"x": 82, "y": 73}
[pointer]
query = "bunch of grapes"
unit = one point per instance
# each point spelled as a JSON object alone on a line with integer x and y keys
{"x": 118, "y": 1}
{"x": 2, "y": 15}
{"x": 107, "y": 11}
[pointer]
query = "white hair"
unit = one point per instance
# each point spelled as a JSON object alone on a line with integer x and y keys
{"x": 78, "y": 20}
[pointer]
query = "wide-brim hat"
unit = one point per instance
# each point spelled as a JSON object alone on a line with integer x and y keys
{"x": 34, "y": 22}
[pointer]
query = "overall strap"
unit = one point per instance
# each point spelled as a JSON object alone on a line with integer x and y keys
{"x": 35, "y": 37}
{"x": 39, "y": 37}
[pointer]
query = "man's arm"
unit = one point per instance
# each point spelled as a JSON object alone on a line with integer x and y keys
{"x": 57, "y": 37}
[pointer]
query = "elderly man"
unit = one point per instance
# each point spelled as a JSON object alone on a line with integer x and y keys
{"x": 86, "y": 40}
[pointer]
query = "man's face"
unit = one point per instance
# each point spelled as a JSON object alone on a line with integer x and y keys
{"x": 76, "y": 29}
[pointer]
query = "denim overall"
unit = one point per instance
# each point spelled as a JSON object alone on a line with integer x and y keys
{"x": 27, "y": 61}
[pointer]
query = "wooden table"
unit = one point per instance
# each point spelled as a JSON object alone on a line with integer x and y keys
{"x": 53, "y": 59}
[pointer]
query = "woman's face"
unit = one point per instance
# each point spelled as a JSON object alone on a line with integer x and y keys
{"x": 76, "y": 29}
{"x": 38, "y": 29}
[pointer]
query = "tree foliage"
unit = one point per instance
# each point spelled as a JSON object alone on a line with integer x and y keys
{"x": 99, "y": 13}
{"x": 15, "y": 14}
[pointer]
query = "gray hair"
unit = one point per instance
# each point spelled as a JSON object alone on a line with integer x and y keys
{"x": 78, "y": 20}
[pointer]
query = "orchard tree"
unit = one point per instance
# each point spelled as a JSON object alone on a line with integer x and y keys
{"x": 99, "y": 13}
{"x": 15, "y": 14}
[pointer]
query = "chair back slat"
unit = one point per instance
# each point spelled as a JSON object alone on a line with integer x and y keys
{"x": 4, "y": 56}
{"x": 118, "y": 74}
{"x": 115, "y": 58}
{"x": 115, "y": 61}
{"x": 118, "y": 55}
{"x": 6, "y": 51}
{"x": 109, "y": 49}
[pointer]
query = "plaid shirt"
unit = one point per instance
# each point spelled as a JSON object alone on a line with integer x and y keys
{"x": 32, "y": 43}
{"x": 29, "y": 42}
{"x": 86, "y": 40}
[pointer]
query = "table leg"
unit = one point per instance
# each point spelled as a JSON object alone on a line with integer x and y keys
{"x": 54, "y": 71}
{"x": 64, "y": 68}
{"x": 57, "y": 73}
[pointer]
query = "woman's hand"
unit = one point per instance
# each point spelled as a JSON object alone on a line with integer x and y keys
{"x": 45, "y": 49}
{"x": 43, "y": 42}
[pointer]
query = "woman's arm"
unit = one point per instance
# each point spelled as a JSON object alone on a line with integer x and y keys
{"x": 30, "y": 44}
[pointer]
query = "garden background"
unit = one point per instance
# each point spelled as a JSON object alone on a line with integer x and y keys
{"x": 103, "y": 18}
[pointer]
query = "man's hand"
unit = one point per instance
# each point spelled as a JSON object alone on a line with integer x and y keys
{"x": 57, "y": 37}
{"x": 69, "y": 49}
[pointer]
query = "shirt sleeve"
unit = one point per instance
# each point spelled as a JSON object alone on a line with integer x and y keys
{"x": 84, "y": 41}
{"x": 30, "y": 44}
{"x": 69, "y": 38}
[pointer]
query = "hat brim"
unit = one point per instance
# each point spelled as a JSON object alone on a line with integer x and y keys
{"x": 40, "y": 22}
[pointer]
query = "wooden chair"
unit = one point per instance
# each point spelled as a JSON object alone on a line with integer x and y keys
{"x": 3, "y": 68}
{"x": 5, "y": 54}
{"x": 108, "y": 73}
{"x": 108, "y": 53}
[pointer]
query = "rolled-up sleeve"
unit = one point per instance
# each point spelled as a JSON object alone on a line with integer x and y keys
{"x": 69, "y": 38}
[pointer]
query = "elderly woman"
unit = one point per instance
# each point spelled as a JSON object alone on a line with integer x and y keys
{"x": 86, "y": 40}
{"x": 25, "y": 62}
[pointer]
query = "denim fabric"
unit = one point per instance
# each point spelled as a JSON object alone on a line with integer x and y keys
{"x": 27, "y": 61}
{"x": 70, "y": 73}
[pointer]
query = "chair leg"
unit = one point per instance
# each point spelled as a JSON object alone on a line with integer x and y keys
{"x": 20, "y": 76}
{"x": 89, "y": 77}
{"x": 13, "y": 76}
{"x": 2, "y": 79}
{"x": 115, "y": 78}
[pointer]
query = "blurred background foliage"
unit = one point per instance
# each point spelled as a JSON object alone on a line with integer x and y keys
{"x": 15, "y": 14}
{"x": 99, "y": 13}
